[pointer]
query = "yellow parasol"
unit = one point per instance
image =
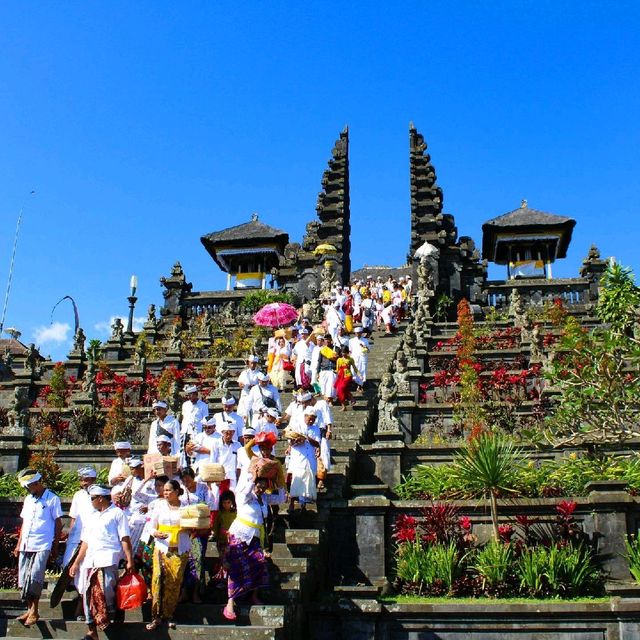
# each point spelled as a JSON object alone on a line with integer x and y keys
{"x": 322, "y": 249}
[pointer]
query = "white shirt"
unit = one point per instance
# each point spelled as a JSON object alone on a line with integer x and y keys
{"x": 202, "y": 494}
{"x": 226, "y": 455}
{"x": 116, "y": 468}
{"x": 323, "y": 411}
{"x": 81, "y": 510}
{"x": 39, "y": 517}
{"x": 232, "y": 418}
{"x": 142, "y": 493}
{"x": 171, "y": 425}
{"x": 103, "y": 534}
{"x": 264, "y": 426}
{"x": 192, "y": 416}
{"x": 249, "y": 509}
{"x": 248, "y": 378}
{"x": 255, "y": 402}
{"x": 206, "y": 441}
{"x": 358, "y": 347}
{"x": 304, "y": 454}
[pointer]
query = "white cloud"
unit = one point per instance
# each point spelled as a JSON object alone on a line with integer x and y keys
{"x": 104, "y": 327}
{"x": 55, "y": 333}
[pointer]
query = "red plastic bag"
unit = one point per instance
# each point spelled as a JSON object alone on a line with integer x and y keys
{"x": 131, "y": 591}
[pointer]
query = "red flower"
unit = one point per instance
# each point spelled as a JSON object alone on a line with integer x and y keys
{"x": 465, "y": 523}
{"x": 566, "y": 507}
{"x": 505, "y": 531}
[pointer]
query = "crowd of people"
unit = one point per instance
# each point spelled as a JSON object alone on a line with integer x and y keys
{"x": 222, "y": 482}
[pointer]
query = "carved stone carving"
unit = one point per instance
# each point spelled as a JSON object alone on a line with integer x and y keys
{"x": 78, "y": 340}
{"x": 388, "y": 405}
{"x": 401, "y": 372}
{"x": 117, "y": 330}
{"x": 18, "y": 414}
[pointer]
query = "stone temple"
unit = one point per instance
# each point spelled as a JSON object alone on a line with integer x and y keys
{"x": 333, "y": 571}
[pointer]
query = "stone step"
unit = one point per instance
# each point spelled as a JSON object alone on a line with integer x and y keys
{"x": 186, "y": 613}
{"x": 65, "y": 629}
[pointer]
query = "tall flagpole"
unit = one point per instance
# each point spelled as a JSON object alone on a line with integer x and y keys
{"x": 13, "y": 259}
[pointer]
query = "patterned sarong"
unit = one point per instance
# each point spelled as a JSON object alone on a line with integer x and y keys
{"x": 31, "y": 568}
{"x": 246, "y": 567}
{"x": 168, "y": 573}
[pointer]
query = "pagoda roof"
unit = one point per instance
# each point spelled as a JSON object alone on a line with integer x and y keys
{"x": 249, "y": 236}
{"x": 246, "y": 233}
{"x": 525, "y": 221}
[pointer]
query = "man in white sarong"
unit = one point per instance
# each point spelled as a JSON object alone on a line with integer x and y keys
{"x": 194, "y": 411}
{"x": 301, "y": 357}
{"x": 247, "y": 379}
{"x": 327, "y": 369}
{"x": 142, "y": 493}
{"x": 225, "y": 452}
{"x": 202, "y": 444}
{"x": 105, "y": 541}
{"x": 164, "y": 425}
{"x": 303, "y": 460}
{"x": 359, "y": 350}
{"x": 264, "y": 395}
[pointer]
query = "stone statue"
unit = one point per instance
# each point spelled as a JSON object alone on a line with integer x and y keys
{"x": 140, "y": 356}
{"x": 517, "y": 309}
{"x": 410, "y": 342}
{"x": 327, "y": 279}
{"x": 175, "y": 341}
{"x": 221, "y": 380}
{"x": 176, "y": 270}
{"x": 537, "y": 343}
{"x": 401, "y": 372}
{"x": 18, "y": 414}
{"x": 388, "y": 405}
{"x": 425, "y": 276}
{"x": 117, "y": 330}
{"x": 6, "y": 361}
{"x": 209, "y": 324}
{"x": 175, "y": 397}
{"x": 31, "y": 361}
{"x": 151, "y": 316}
{"x": 78, "y": 340}
{"x": 89, "y": 382}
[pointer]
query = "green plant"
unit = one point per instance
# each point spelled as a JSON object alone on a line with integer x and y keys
{"x": 531, "y": 569}
{"x": 429, "y": 482}
{"x": 618, "y": 298}
{"x": 255, "y": 300}
{"x": 488, "y": 466}
{"x": 570, "y": 570}
{"x": 429, "y": 565}
{"x": 443, "y": 303}
{"x": 493, "y": 563}
{"x": 411, "y": 562}
{"x": 632, "y": 545}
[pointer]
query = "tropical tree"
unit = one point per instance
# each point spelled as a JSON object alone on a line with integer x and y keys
{"x": 488, "y": 466}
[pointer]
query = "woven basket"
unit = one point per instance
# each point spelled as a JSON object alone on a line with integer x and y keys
{"x": 212, "y": 472}
{"x": 195, "y": 516}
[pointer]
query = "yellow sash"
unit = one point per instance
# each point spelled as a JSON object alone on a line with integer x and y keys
{"x": 260, "y": 528}
{"x": 173, "y": 530}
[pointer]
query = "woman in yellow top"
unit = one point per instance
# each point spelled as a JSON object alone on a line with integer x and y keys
{"x": 346, "y": 369}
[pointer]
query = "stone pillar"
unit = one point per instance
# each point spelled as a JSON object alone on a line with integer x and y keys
{"x": 610, "y": 506}
{"x": 370, "y": 508}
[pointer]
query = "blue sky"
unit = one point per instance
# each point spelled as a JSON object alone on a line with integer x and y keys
{"x": 143, "y": 126}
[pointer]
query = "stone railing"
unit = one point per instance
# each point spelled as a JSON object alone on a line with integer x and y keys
{"x": 572, "y": 291}
{"x": 214, "y": 302}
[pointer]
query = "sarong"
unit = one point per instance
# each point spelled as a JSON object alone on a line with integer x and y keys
{"x": 327, "y": 379}
{"x": 31, "y": 568}
{"x": 343, "y": 386}
{"x": 303, "y": 485}
{"x": 100, "y": 595}
{"x": 246, "y": 567}
{"x": 168, "y": 573}
{"x": 144, "y": 560}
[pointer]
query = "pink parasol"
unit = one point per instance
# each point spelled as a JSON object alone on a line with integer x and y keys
{"x": 275, "y": 314}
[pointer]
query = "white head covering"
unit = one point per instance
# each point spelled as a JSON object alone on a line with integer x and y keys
{"x": 263, "y": 376}
{"x": 163, "y": 439}
{"x": 357, "y": 330}
{"x": 304, "y": 397}
{"x": 211, "y": 422}
{"x": 135, "y": 462}
{"x": 116, "y": 490}
{"x": 273, "y": 412}
{"x": 99, "y": 490}
{"x": 253, "y": 358}
{"x": 121, "y": 444}
{"x": 28, "y": 476}
{"x": 87, "y": 472}
{"x": 227, "y": 402}
{"x": 191, "y": 388}
{"x": 248, "y": 431}
{"x": 310, "y": 411}
{"x": 160, "y": 404}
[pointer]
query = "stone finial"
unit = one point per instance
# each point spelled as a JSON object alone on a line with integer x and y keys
{"x": 524, "y": 204}
{"x": 254, "y": 217}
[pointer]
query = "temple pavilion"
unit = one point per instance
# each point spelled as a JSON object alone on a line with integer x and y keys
{"x": 247, "y": 252}
{"x": 528, "y": 241}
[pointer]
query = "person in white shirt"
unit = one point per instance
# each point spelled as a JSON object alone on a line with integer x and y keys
{"x": 359, "y": 350}
{"x": 315, "y": 355}
{"x": 164, "y": 425}
{"x": 301, "y": 357}
{"x": 38, "y": 540}
{"x": 224, "y": 452}
{"x": 105, "y": 540}
{"x": 264, "y": 395}
{"x": 268, "y": 422}
{"x": 119, "y": 470}
{"x": 194, "y": 411}
{"x": 302, "y": 464}
{"x": 242, "y": 455}
{"x": 229, "y": 415}
{"x": 143, "y": 492}
{"x": 247, "y": 379}
{"x": 245, "y": 558}
{"x": 79, "y": 513}
{"x": 200, "y": 446}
